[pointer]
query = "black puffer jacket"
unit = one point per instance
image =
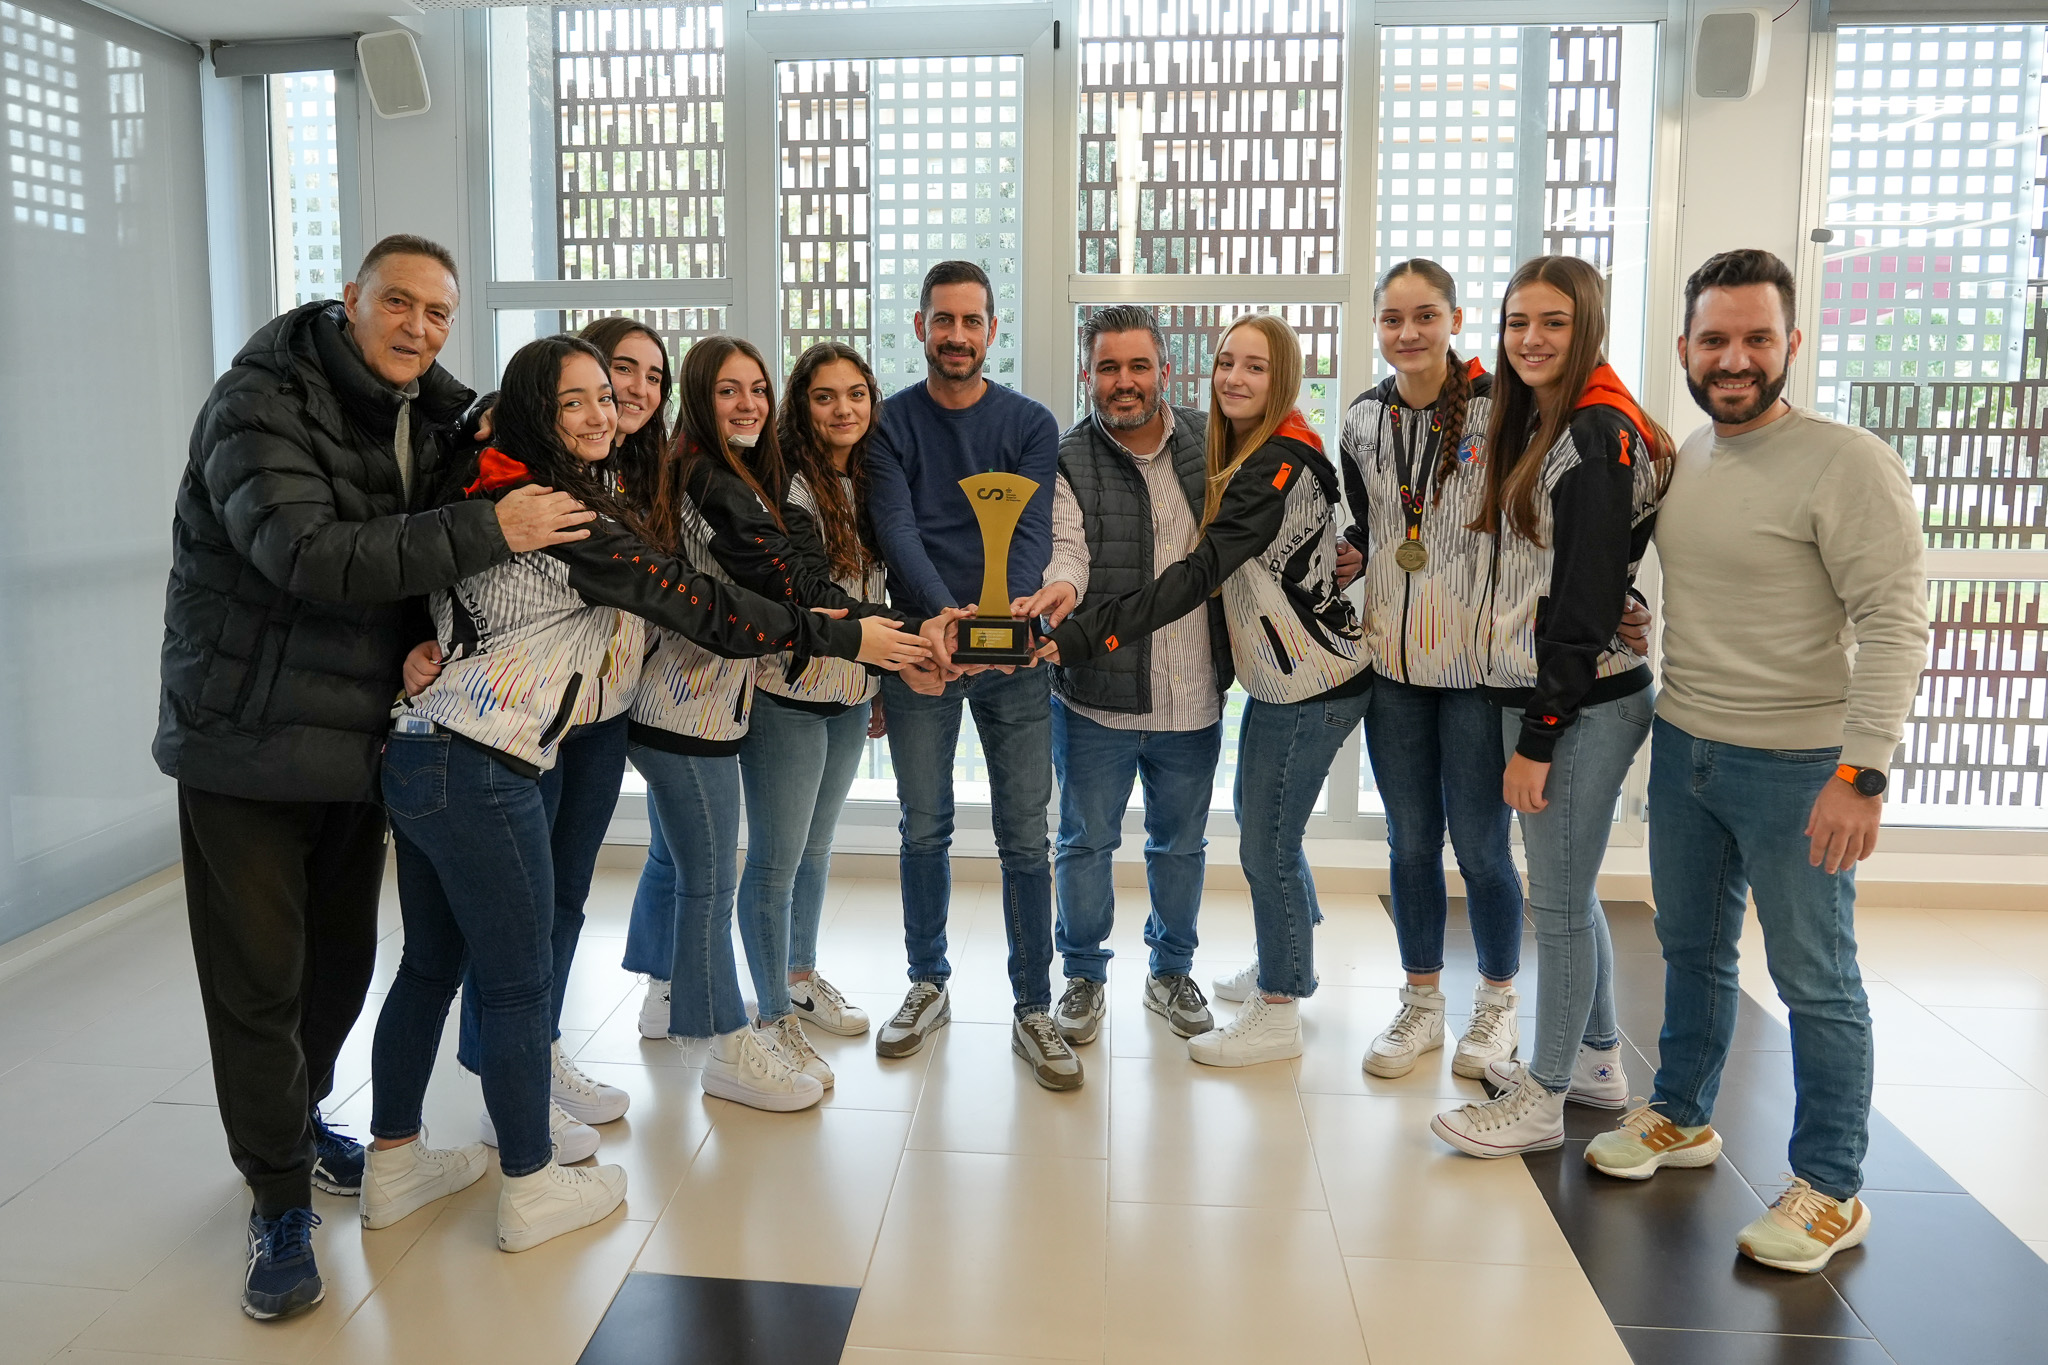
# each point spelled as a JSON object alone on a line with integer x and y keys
{"x": 292, "y": 556}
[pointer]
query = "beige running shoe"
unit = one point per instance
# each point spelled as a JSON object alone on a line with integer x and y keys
{"x": 1804, "y": 1229}
{"x": 1645, "y": 1140}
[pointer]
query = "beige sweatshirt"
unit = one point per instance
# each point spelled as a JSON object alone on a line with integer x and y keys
{"x": 1795, "y": 604}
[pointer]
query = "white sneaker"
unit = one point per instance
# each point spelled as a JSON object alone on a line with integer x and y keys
{"x": 574, "y": 1141}
{"x": 788, "y": 1036}
{"x": 1417, "y": 1029}
{"x": 1597, "y": 1078}
{"x": 746, "y": 1067}
{"x": 1264, "y": 1031}
{"x": 553, "y": 1200}
{"x": 1238, "y": 985}
{"x": 654, "y": 1010}
{"x": 821, "y": 1005}
{"x": 403, "y": 1180}
{"x": 580, "y": 1097}
{"x": 1526, "y": 1119}
{"x": 1492, "y": 1033}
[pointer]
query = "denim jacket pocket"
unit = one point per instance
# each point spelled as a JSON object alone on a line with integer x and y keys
{"x": 416, "y": 775}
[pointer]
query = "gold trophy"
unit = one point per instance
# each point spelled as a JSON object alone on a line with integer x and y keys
{"x": 992, "y": 635}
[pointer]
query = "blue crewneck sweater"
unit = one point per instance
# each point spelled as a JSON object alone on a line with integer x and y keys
{"x": 929, "y": 537}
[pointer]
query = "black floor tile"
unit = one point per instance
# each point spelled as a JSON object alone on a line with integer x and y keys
{"x": 1754, "y": 1117}
{"x": 692, "y": 1320}
{"x": 1661, "y": 1252}
{"x": 1942, "y": 1281}
{"x": 1663, "y": 1346}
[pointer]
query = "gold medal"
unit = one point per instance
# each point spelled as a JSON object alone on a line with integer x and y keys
{"x": 1411, "y": 555}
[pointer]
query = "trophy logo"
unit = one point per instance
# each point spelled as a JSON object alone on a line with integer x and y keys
{"x": 992, "y": 635}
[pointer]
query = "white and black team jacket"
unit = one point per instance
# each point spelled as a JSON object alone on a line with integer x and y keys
{"x": 1272, "y": 550}
{"x": 829, "y": 685}
{"x": 554, "y": 638}
{"x": 1427, "y": 628}
{"x": 1557, "y": 600}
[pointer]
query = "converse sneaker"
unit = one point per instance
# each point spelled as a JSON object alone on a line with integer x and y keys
{"x": 1036, "y": 1039}
{"x": 337, "y": 1159}
{"x": 925, "y": 1009}
{"x": 788, "y": 1036}
{"x": 282, "y": 1278}
{"x": 399, "y": 1181}
{"x": 553, "y": 1200}
{"x": 1079, "y": 1016}
{"x": 1647, "y": 1140}
{"x": 1492, "y": 1032}
{"x": 574, "y": 1139}
{"x": 1597, "y": 1078}
{"x": 746, "y": 1067}
{"x": 654, "y": 1008}
{"x": 1804, "y": 1229}
{"x": 1264, "y": 1031}
{"x": 1239, "y": 985}
{"x": 580, "y": 1097}
{"x": 1526, "y": 1119}
{"x": 821, "y": 1005}
{"x": 1418, "y": 1028}
{"x": 1179, "y": 1001}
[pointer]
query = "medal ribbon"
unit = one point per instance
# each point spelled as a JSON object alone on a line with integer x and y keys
{"x": 1408, "y": 468}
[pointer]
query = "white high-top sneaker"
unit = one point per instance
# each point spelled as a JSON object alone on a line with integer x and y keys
{"x": 1492, "y": 1033}
{"x": 1264, "y": 1031}
{"x": 1526, "y": 1119}
{"x": 403, "y": 1180}
{"x": 747, "y": 1068}
{"x": 1597, "y": 1078}
{"x": 788, "y": 1036}
{"x": 574, "y": 1140}
{"x": 1417, "y": 1029}
{"x": 654, "y": 1010}
{"x": 553, "y": 1200}
{"x": 581, "y": 1098}
{"x": 1239, "y": 985}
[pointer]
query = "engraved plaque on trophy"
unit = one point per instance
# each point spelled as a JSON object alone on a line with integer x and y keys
{"x": 992, "y": 635}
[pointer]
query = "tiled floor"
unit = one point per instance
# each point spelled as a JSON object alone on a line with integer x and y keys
{"x": 1294, "y": 1212}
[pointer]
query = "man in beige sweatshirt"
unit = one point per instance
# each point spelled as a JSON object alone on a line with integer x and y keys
{"x": 1795, "y": 634}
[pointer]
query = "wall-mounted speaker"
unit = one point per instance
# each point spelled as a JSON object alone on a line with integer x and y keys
{"x": 1732, "y": 54}
{"x": 393, "y": 73}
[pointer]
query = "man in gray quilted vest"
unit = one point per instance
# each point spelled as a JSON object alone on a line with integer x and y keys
{"x": 1127, "y": 504}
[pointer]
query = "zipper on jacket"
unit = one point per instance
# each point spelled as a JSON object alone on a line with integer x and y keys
{"x": 562, "y": 712}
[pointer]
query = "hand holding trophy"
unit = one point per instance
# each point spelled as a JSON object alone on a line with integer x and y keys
{"x": 992, "y": 635}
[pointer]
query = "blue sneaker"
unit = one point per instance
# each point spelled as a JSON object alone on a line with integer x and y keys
{"x": 337, "y": 1159}
{"x": 282, "y": 1278}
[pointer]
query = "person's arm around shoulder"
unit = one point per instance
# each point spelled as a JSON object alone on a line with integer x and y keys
{"x": 1867, "y": 531}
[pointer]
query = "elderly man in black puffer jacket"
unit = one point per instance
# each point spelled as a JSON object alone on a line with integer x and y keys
{"x": 299, "y": 536}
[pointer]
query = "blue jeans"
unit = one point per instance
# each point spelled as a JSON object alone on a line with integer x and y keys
{"x": 579, "y": 793}
{"x": 476, "y": 886}
{"x": 681, "y": 929}
{"x": 1565, "y": 843}
{"x": 1436, "y": 759}
{"x": 1097, "y": 765}
{"x": 1013, "y": 715}
{"x": 1725, "y": 821}
{"x": 1283, "y": 755}
{"x": 797, "y": 767}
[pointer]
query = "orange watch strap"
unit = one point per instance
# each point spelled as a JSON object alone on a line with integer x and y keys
{"x": 1847, "y": 772}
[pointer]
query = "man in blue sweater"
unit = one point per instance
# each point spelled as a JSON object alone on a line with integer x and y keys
{"x": 930, "y": 437}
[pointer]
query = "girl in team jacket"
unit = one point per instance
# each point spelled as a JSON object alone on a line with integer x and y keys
{"x": 1269, "y": 543}
{"x": 1414, "y": 457}
{"x": 811, "y": 726}
{"x": 532, "y": 647}
{"x": 1574, "y": 472}
{"x": 718, "y": 498}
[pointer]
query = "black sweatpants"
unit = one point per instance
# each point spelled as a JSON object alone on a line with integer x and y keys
{"x": 282, "y": 896}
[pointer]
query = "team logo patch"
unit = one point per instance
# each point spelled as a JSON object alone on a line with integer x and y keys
{"x": 1471, "y": 448}
{"x": 1280, "y": 479}
{"x": 1110, "y": 643}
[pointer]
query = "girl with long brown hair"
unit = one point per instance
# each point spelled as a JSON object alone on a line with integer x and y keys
{"x": 1574, "y": 473}
{"x": 718, "y": 497}
{"x": 1269, "y": 546}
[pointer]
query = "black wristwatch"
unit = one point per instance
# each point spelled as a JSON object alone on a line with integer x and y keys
{"x": 1866, "y": 781}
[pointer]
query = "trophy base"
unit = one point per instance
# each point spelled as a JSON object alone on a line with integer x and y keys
{"x": 994, "y": 640}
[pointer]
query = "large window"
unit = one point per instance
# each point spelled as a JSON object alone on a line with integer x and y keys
{"x": 1932, "y": 335}
{"x": 305, "y": 188}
